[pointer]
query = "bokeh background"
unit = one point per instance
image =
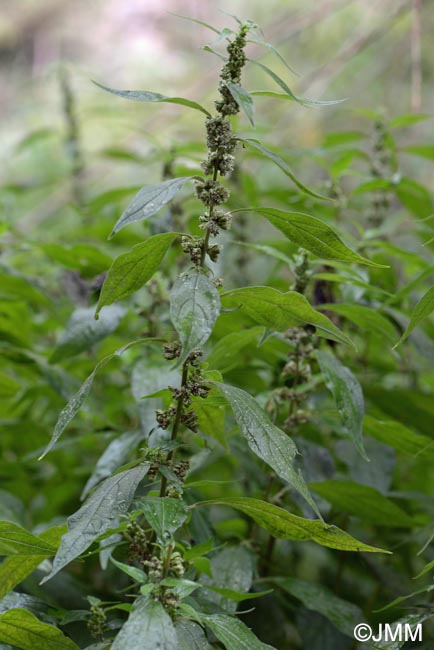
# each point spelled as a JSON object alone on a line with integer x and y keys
{"x": 377, "y": 53}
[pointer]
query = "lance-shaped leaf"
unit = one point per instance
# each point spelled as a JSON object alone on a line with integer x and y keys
{"x": 15, "y": 568}
{"x": 146, "y": 96}
{"x": 284, "y": 525}
{"x": 164, "y": 515}
{"x": 422, "y": 310}
{"x": 130, "y": 271}
{"x": 343, "y": 614}
{"x": 77, "y": 400}
{"x": 16, "y": 540}
{"x": 397, "y": 435}
{"x": 114, "y": 456}
{"x": 233, "y": 633}
{"x": 278, "y": 311}
{"x": 363, "y": 501}
{"x": 255, "y": 144}
{"x": 348, "y": 396}
{"x": 97, "y": 515}
{"x": 289, "y": 94}
{"x": 232, "y": 571}
{"x": 243, "y": 99}
{"x": 300, "y": 100}
{"x": 268, "y": 442}
{"x": 149, "y": 200}
{"x": 194, "y": 307}
{"x": 148, "y": 627}
{"x": 310, "y": 233}
{"x": 190, "y": 636}
{"x": 83, "y": 331}
{"x": 22, "y": 629}
{"x": 368, "y": 319}
{"x": 225, "y": 352}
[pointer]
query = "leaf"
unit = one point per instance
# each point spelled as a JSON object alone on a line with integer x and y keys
{"x": 130, "y": 271}
{"x": 23, "y": 630}
{"x": 225, "y": 352}
{"x": 268, "y": 442}
{"x": 426, "y": 569}
{"x": 164, "y": 515}
{"x": 408, "y": 119}
{"x": 312, "y": 234}
{"x": 210, "y": 419}
{"x": 148, "y": 627}
{"x": 424, "y": 151}
{"x": 15, "y": 568}
{"x": 113, "y": 457}
{"x": 347, "y": 394}
{"x": 97, "y": 515}
{"x": 396, "y": 435}
{"x": 243, "y": 99}
{"x": 343, "y": 614}
{"x": 77, "y": 400}
{"x": 83, "y": 331}
{"x": 401, "y": 599}
{"x": 278, "y": 311}
{"x": 182, "y": 587}
{"x": 422, "y": 310}
{"x": 284, "y": 525}
{"x": 363, "y": 501}
{"x": 147, "y": 96}
{"x": 149, "y": 200}
{"x": 299, "y": 100}
{"x": 233, "y": 633}
{"x": 272, "y": 49}
{"x": 232, "y": 573}
{"x": 16, "y": 540}
{"x": 255, "y": 144}
{"x": 190, "y": 636}
{"x": 194, "y": 307}
{"x": 290, "y": 94}
{"x": 415, "y": 197}
{"x": 133, "y": 572}
{"x": 367, "y": 319}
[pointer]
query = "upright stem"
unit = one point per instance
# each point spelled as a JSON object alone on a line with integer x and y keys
{"x": 208, "y": 232}
{"x": 176, "y": 423}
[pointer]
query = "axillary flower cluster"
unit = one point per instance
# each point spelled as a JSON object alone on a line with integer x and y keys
{"x": 221, "y": 144}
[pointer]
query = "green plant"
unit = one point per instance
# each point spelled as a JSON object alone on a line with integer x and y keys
{"x": 202, "y": 474}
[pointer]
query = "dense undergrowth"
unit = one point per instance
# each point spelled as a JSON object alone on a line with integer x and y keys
{"x": 249, "y": 459}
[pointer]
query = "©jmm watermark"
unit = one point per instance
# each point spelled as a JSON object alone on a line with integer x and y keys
{"x": 396, "y": 632}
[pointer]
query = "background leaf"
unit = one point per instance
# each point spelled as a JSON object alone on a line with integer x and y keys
{"x": 83, "y": 331}
{"x": 363, "y": 501}
{"x": 422, "y": 310}
{"x": 347, "y": 394}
